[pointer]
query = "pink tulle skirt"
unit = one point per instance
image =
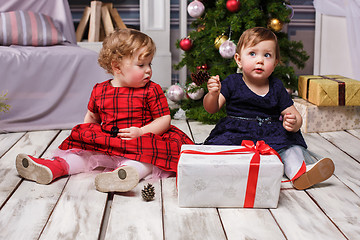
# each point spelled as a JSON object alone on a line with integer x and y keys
{"x": 80, "y": 160}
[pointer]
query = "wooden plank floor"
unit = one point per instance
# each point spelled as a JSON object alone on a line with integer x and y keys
{"x": 71, "y": 208}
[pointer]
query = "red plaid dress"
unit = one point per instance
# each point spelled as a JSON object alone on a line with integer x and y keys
{"x": 125, "y": 107}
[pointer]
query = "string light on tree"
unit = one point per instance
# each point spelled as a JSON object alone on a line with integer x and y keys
{"x": 202, "y": 67}
{"x": 196, "y": 9}
{"x": 200, "y": 28}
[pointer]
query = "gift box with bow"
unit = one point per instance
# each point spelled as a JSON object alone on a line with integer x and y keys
{"x": 246, "y": 176}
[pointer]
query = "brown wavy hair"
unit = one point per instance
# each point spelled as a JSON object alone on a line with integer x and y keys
{"x": 124, "y": 43}
{"x": 253, "y": 36}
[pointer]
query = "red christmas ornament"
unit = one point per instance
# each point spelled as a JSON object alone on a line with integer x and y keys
{"x": 233, "y": 5}
{"x": 186, "y": 44}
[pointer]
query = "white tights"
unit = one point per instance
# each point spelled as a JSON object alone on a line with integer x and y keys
{"x": 293, "y": 157}
{"x": 144, "y": 169}
{"x": 83, "y": 161}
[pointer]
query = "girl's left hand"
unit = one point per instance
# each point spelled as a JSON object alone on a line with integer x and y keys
{"x": 130, "y": 133}
{"x": 289, "y": 122}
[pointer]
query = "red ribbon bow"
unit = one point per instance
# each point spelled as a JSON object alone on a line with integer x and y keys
{"x": 249, "y": 147}
{"x": 260, "y": 148}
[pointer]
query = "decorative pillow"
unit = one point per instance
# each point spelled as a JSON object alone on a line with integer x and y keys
{"x": 28, "y": 29}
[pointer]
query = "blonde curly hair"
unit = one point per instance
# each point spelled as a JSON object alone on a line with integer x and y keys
{"x": 124, "y": 43}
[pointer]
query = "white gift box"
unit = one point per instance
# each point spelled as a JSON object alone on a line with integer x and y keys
{"x": 221, "y": 180}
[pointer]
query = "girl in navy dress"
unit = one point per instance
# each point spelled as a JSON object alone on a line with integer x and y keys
{"x": 259, "y": 108}
{"x": 126, "y": 128}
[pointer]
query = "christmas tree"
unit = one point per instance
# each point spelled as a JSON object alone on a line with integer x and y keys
{"x": 208, "y": 49}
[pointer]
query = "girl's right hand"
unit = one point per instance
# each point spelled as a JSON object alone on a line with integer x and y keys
{"x": 213, "y": 100}
{"x": 214, "y": 85}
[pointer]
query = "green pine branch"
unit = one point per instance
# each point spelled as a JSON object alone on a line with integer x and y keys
{"x": 3, "y": 106}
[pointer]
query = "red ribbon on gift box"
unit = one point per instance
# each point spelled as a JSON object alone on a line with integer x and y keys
{"x": 249, "y": 147}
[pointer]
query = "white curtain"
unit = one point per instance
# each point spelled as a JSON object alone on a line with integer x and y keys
{"x": 350, "y": 9}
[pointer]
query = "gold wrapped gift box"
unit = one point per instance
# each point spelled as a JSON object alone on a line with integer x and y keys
{"x": 329, "y": 90}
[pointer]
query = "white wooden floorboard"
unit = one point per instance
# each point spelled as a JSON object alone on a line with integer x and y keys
{"x": 340, "y": 204}
{"x": 7, "y": 140}
{"x": 78, "y": 213}
{"x": 300, "y": 218}
{"x": 31, "y": 204}
{"x": 56, "y": 143}
{"x": 240, "y": 223}
{"x": 29, "y": 208}
{"x": 346, "y": 168}
{"x": 33, "y": 143}
{"x": 131, "y": 217}
{"x": 71, "y": 208}
{"x": 200, "y": 131}
{"x": 355, "y": 132}
{"x": 183, "y": 126}
{"x": 337, "y": 201}
{"x": 188, "y": 223}
{"x": 345, "y": 141}
{"x": 80, "y": 207}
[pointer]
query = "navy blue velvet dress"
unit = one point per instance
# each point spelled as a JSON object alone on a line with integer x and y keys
{"x": 253, "y": 117}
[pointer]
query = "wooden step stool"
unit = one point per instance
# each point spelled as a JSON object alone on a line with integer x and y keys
{"x": 102, "y": 19}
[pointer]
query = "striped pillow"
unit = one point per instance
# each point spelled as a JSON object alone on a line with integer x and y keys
{"x": 28, "y": 29}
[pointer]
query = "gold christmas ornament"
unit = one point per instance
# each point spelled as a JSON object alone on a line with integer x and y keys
{"x": 219, "y": 40}
{"x": 275, "y": 24}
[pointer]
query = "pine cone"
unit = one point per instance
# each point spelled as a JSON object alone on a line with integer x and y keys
{"x": 200, "y": 77}
{"x": 148, "y": 193}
